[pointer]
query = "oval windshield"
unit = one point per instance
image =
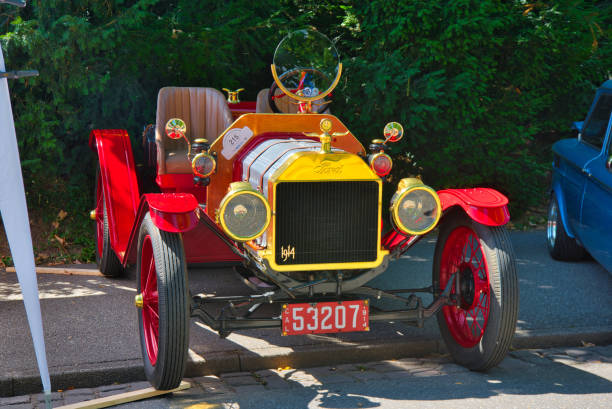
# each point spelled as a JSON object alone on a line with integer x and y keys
{"x": 307, "y": 63}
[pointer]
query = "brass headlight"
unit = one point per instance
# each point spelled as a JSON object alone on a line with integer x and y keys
{"x": 415, "y": 207}
{"x": 244, "y": 213}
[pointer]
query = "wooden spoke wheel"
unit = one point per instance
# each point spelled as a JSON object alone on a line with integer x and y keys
{"x": 479, "y": 328}
{"x": 164, "y": 305}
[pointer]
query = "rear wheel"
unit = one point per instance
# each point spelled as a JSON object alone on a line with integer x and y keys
{"x": 478, "y": 330}
{"x": 163, "y": 299}
{"x": 560, "y": 245}
{"x": 106, "y": 259}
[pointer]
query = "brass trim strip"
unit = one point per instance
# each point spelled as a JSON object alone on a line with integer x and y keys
{"x": 263, "y": 174}
{"x": 272, "y": 145}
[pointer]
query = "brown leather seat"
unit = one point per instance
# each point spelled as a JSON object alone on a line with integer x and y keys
{"x": 285, "y": 104}
{"x": 205, "y": 113}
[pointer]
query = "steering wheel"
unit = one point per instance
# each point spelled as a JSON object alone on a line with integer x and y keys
{"x": 317, "y": 107}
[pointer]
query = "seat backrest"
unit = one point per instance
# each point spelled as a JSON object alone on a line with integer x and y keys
{"x": 284, "y": 103}
{"x": 205, "y": 113}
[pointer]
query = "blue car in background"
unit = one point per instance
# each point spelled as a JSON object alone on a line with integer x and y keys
{"x": 580, "y": 210}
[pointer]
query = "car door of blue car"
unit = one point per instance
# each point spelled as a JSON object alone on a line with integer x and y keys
{"x": 573, "y": 155}
{"x": 596, "y": 212}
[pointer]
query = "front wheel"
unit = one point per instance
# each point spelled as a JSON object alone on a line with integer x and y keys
{"x": 163, "y": 301}
{"x": 478, "y": 329}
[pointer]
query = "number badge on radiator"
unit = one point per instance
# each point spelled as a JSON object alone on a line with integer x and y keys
{"x": 288, "y": 252}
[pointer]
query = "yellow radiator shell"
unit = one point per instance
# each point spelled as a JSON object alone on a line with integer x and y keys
{"x": 316, "y": 166}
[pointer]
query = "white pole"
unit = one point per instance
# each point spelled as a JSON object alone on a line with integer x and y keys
{"x": 16, "y": 223}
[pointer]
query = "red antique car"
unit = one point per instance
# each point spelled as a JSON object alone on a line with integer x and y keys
{"x": 284, "y": 191}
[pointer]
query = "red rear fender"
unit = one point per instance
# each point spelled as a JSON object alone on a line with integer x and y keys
{"x": 484, "y": 205}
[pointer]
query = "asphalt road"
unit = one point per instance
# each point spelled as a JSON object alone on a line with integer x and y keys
{"x": 90, "y": 322}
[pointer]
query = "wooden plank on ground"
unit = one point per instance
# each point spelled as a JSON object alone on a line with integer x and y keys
{"x": 123, "y": 398}
{"x": 63, "y": 270}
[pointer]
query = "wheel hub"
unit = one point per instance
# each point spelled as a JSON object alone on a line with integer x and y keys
{"x": 466, "y": 287}
{"x": 138, "y": 301}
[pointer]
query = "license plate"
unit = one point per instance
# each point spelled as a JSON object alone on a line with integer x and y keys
{"x": 325, "y": 317}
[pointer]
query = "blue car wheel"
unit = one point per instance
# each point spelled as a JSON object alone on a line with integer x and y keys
{"x": 560, "y": 245}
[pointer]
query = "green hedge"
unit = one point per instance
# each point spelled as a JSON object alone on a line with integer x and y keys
{"x": 481, "y": 87}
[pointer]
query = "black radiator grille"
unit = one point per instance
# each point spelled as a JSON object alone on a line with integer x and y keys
{"x": 326, "y": 222}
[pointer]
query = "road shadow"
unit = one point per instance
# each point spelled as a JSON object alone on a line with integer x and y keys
{"x": 435, "y": 380}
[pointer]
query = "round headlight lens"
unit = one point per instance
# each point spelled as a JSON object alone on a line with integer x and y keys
{"x": 203, "y": 165}
{"x": 416, "y": 210}
{"x": 244, "y": 215}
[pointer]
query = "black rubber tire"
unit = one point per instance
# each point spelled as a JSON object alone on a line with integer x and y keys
{"x": 172, "y": 287}
{"x": 108, "y": 262}
{"x": 559, "y": 244}
{"x": 504, "y": 301}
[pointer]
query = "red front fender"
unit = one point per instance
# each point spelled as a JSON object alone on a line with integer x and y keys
{"x": 484, "y": 205}
{"x": 173, "y": 212}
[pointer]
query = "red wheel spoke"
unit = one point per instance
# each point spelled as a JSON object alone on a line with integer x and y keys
{"x": 480, "y": 285}
{"x": 150, "y": 311}
{"x": 151, "y": 298}
{"x": 463, "y": 255}
{"x": 468, "y": 252}
{"x": 155, "y": 323}
{"x": 154, "y": 337}
{"x": 153, "y": 312}
{"x": 464, "y": 252}
{"x": 151, "y": 283}
{"x": 480, "y": 305}
{"x": 474, "y": 246}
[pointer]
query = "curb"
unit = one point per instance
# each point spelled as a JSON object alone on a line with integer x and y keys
{"x": 306, "y": 356}
{"x": 83, "y": 376}
{"x": 567, "y": 337}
